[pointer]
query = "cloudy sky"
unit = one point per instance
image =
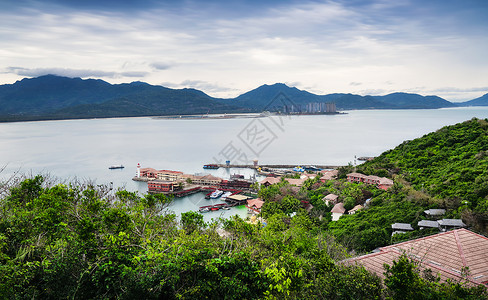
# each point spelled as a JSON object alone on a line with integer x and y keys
{"x": 227, "y": 47}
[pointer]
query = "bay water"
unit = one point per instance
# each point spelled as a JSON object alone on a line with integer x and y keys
{"x": 84, "y": 149}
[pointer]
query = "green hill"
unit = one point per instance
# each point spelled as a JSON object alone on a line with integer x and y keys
{"x": 451, "y": 165}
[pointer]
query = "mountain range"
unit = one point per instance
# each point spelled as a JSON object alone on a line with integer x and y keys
{"x": 56, "y": 97}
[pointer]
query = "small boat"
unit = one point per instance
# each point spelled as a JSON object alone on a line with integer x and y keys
{"x": 215, "y": 194}
{"x": 211, "y": 166}
{"x": 225, "y": 195}
{"x": 113, "y": 167}
{"x": 236, "y": 176}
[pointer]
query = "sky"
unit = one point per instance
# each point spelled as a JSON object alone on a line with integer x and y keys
{"x": 228, "y": 47}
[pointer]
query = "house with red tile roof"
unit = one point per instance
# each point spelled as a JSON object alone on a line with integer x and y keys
{"x": 385, "y": 183}
{"x": 254, "y": 205}
{"x": 330, "y": 198}
{"x": 381, "y": 182}
{"x": 447, "y": 254}
{"x": 269, "y": 181}
{"x": 328, "y": 175}
{"x": 297, "y": 182}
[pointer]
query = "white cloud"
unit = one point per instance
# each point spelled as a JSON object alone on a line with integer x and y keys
{"x": 328, "y": 45}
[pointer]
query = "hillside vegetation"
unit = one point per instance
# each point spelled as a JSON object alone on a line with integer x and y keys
{"x": 82, "y": 241}
{"x": 450, "y": 165}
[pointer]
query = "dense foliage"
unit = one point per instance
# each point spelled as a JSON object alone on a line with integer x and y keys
{"x": 82, "y": 241}
{"x": 450, "y": 165}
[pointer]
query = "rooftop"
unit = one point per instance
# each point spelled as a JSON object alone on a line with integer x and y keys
{"x": 452, "y": 222}
{"x": 435, "y": 212}
{"x": 428, "y": 223}
{"x": 445, "y": 254}
{"x": 401, "y": 226}
{"x": 338, "y": 208}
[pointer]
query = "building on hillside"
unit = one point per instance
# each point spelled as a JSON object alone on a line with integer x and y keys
{"x": 372, "y": 179}
{"x": 331, "y": 198}
{"x": 435, "y": 212}
{"x": 424, "y": 224}
{"x": 355, "y": 177}
{"x": 385, "y": 183}
{"x": 449, "y": 224}
{"x": 298, "y": 182}
{"x": 337, "y": 211}
{"x": 269, "y": 181}
{"x": 447, "y": 254}
{"x": 355, "y": 209}
{"x": 400, "y": 228}
{"x": 328, "y": 175}
{"x": 381, "y": 182}
{"x": 254, "y": 205}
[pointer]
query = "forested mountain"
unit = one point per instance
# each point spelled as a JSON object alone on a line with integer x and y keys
{"x": 56, "y": 97}
{"x": 61, "y": 97}
{"x": 481, "y": 101}
{"x": 263, "y": 96}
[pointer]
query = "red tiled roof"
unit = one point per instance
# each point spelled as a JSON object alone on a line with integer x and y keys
{"x": 270, "y": 180}
{"x": 170, "y": 172}
{"x": 257, "y": 202}
{"x": 445, "y": 254}
{"x": 297, "y": 182}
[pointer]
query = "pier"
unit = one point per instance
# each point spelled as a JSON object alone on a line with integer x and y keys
{"x": 272, "y": 166}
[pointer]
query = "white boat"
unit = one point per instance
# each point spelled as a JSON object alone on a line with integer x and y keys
{"x": 225, "y": 195}
{"x": 215, "y": 194}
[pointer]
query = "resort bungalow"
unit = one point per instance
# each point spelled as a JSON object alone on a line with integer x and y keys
{"x": 328, "y": 175}
{"x": 337, "y": 211}
{"x": 385, "y": 183}
{"x": 297, "y": 182}
{"x": 269, "y": 181}
{"x": 355, "y": 209}
{"x": 355, "y": 177}
{"x": 423, "y": 224}
{"x": 435, "y": 212}
{"x": 400, "y": 228}
{"x": 254, "y": 205}
{"x": 330, "y": 198}
{"x": 449, "y": 224}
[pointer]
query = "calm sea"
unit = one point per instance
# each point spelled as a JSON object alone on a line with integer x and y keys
{"x": 84, "y": 149}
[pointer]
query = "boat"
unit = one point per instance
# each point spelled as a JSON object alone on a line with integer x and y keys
{"x": 236, "y": 176}
{"x": 112, "y": 167}
{"x": 211, "y": 166}
{"x": 215, "y": 194}
{"x": 225, "y": 195}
